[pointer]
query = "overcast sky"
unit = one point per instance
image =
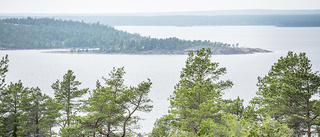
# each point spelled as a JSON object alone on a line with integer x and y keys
{"x": 134, "y": 6}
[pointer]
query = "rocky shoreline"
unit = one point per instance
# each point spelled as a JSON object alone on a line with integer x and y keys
{"x": 215, "y": 51}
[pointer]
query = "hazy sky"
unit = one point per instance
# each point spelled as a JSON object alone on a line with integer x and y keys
{"x": 129, "y": 6}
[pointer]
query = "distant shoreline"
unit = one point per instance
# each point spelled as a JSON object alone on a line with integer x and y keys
{"x": 246, "y": 17}
{"x": 215, "y": 51}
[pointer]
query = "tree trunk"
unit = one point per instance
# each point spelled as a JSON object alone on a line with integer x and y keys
{"x": 68, "y": 106}
{"x": 50, "y": 131}
{"x": 124, "y": 126}
{"x": 109, "y": 130}
{"x": 15, "y": 129}
{"x": 37, "y": 125}
{"x": 309, "y": 129}
{"x": 15, "y": 124}
{"x": 308, "y": 114}
{"x": 130, "y": 114}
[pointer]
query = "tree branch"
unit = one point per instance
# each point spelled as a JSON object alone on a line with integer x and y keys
{"x": 314, "y": 117}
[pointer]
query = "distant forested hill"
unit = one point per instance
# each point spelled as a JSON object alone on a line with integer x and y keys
{"x": 30, "y": 33}
{"x": 46, "y": 33}
{"x": 305, "y": 20}
{"x": 254, "y": 17}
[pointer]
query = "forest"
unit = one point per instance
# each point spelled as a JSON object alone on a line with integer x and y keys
{"x": 286, "y": 104}
{"x": 49, "y": 33}
{"x": 271, "y": 19}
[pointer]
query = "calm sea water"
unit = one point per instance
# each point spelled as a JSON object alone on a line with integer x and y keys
{"x": 35, "y": 68}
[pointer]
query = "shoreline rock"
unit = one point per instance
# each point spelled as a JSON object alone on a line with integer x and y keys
{"x": 215, "y": 51}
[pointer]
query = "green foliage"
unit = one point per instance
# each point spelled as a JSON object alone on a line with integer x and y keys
{"x": 51, "y": 113}
{"x": 284, "y": 107}
{"x": 104, "y": 109}
{"x": 37, "y": 118}
{"x": 197, "y": 108}
{"x": 286, "y": 92}
{"x": 230, "y": 125}
{"x": 43, "y": 33}
{"x": 66, "y": 92}
{"x": 24, "y": 111}
{"x": 50, "y": 33}
{"x": 11, "y": 108}
{"x": 233, "y": 107}
{"x": 3, "y": 69}
{"x": 196, "y": 97}
{"x": 163, "y": 127}
{"x": 269, "y": 128}
{"x": 74, "y": 130}
{"x": 110, "y": 108}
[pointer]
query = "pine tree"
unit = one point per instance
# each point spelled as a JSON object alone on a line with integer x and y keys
{"x": 197, "y": 96}
{"x": 66, "y": 92}
{"x": 110, "y": 108}
{"x": 3, "y": 69}
{"x": 286, "y": 93}
{"x": 10, "y": 110}
{"x": 37, "y": 116}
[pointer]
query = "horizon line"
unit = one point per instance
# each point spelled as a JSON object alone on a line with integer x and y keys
{"x": 164, "y": 12}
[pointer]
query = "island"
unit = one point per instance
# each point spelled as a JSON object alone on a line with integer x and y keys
{"x": 79, "y": 36}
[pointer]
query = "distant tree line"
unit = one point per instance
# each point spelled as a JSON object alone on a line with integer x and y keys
{"x": 286, "y": 104}
{"x": 32, "y": 33}
{"x": 44, "y": 33}
{"x": 307, "y": 20}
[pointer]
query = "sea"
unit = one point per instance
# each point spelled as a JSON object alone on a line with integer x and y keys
{"x": 37, "y": 68}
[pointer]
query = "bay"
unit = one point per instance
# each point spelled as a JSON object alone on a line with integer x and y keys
{"x": 36, "y": 68}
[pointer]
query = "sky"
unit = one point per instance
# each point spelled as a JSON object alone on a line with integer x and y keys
{"x": 143, "y": 6}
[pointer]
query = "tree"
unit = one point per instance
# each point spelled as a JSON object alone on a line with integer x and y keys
{"x": 51, "y": 113}
{"x": 197, "y": 96}
{"x": 286, "y": 93}
{"x": 110, "y": 108}
{"x": 136, "y": 99}
{"x": 45, "y": 33}
{"x": 37, "y": 116}
{"x": 103, "y": 108}
{"x": 66, "y": 93}
{"x": 233, "y": 106}
{"x": 163, "y": 127}
{"x": 11, "y": 108}
{"x": 269, "y": 128}
{"x": 22, "y": 109}
{"x": 3, "y": 69}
